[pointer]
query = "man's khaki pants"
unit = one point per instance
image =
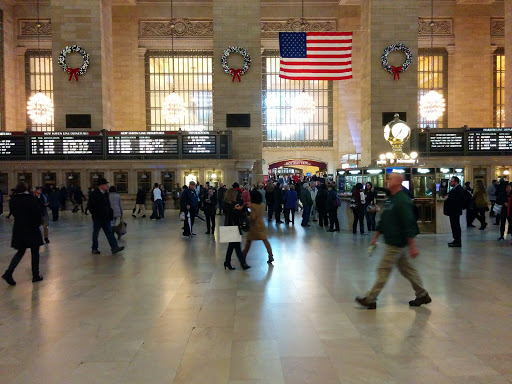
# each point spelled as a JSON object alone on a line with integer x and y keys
{"x": 399, "y": 255}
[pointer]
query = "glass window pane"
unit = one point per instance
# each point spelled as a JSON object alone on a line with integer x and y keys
{"x": 39, "y": 71}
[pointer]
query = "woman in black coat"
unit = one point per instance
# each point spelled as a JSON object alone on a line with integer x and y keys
{"x": 233, "y": 211}
{"x": 25, "y": 234}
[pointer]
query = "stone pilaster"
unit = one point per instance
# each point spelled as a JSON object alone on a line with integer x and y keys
{"x": 508, "y": 63}
{"x": 87, "y": 23}
{"x": 237, "y": 23}
{"x": 387, "y": 22}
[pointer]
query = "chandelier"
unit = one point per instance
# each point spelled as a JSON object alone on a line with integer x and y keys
{"x": 432, "y": 104}
{"x": 173, "y": 106}
{"x": 303, "y": 108}
{"x": 39, "y": 106}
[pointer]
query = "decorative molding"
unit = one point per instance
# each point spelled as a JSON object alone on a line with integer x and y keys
{"x": 442, "y": 27}
{"x": 182, "y": 28}
{"x": 271, "y": 28}
{"x": 497, "y": 27}
{"x": 28, "y": 28}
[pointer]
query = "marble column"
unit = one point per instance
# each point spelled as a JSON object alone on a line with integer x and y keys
{"x": 87, "y": 23}
{"x": 237, "y": 23}
{"x": 508, "y": 63}
{"x": 386, "y": 22}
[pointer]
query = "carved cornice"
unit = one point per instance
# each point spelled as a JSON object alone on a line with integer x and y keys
{"x": 270, "y": 28}
{"x": 497, "y": 27}
{"x": 28, "y": 28}
{"x": 183, "y": 28}
{"x": 442, "y": 27}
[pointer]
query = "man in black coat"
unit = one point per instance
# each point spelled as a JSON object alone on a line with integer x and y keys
{"x": 25, "y": 232}
{"x": 453, "y": 209}
{"x": 278, "y": 202}
{"x": 102, "y": 215}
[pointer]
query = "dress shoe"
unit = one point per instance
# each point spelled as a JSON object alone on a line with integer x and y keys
{"x": 117, "y": 250}
{"x": 279, "y": 222}
{"x": 420, "y": 301}
{"x": 47, "y": 240}
{"x": 483, "y": 226}
{"x": 270, "y": 259}
{"x": 330, "y": 230}
{"x": 95, "y": 252}
{"x": 455, "y": 245}
{"x": 501, "y": 238}
{"x": 9, "y": 279}
{"x": 245, "y": 266}
{"x": 207, "y": 233}
{"x": 363, "y": 301}
{"x": 470, "y": 226}
{"x": 37, "y": 278}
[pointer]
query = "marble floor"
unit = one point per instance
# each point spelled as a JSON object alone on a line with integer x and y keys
{"x": 166, "y": 311}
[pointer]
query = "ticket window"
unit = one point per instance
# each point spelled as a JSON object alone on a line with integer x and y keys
{"x": 121, "y": 182}
{"x": 443, "y": 176}
{"x": 502, "y": 173}
{"x": 4, "y": 186}
{"x": 168, "y": 181}
{"x": 49, "y": 178}
{"x": 94, "y": 177}
{"x": 479, "y": 174}
{"x": 73, "y": 179}
{"x": 424, "y": 182}
{"x": 214, "y": 177}
{"x": 191, "y": 176}
{"x": 352, "y": 177}
{"x": 144, "y": 181}
{"x": 26, "y": 178}
{"x": 243, "y": 177}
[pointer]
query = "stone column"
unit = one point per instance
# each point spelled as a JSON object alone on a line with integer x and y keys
{"x": 237, "y": 23}
{"x": 387, "y": 22}
{"x": 508, "y": 63}
{"x": 87, "y": 23}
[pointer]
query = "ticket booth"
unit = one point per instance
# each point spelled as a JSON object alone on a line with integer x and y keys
{"x": 443, "y": 176}
{"x": 341, "y": 180}
{"x": 168, "y": 178}
{"x": 423, "y": 187}
{"x": 144, "y": 181}
{"x": 352, "y": 177}
{"x": 214, "y": 177}
{"x": 49, "y": 178}
{"x": 376, "y": 176}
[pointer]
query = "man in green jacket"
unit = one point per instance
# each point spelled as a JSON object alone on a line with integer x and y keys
{"x": 307, "y": 203}
{"x": 399, "y": 227}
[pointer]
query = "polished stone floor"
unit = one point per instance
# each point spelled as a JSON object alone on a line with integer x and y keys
{"x": 166, "y": 311}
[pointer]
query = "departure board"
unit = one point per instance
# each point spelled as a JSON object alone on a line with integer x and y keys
{"x": 63, "y": 145}
{"x": 199, "y": 145}
{"x": 446, "y": 142}
{"x": 490, "y": 139}
{"x": 148, "y": 145}
{"x": 13, "y": 145}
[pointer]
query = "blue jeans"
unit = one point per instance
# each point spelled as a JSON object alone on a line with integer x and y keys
{"x": 158, "y": 209}
{"x": 305, "y": 214}
{"x": 107, "y": 228}
{"x": 370, "y": 219}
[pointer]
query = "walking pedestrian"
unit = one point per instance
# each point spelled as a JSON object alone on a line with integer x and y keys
{"x": 481, "y": 203}
{"x": 278, "y": 202}
{"x": 321, "y": 206}
{"x": 370, "y": 207}
{"x": 25, "y": 233}
{"x": 43, "y": 204}
{"x": 332, "y": 206}
{"x": 399, "y": 227}
{"x": 210, "y": 210}
{"x": 189, "y": 205}
{"x": 357, "y": 203}
{"x": 269, "y": 196}
{"x": 290, "y": 204}
{"x": 257, "y": 230}
{"x": 453, "y": 206}
{"x": 158, "y": 205}
{"x": 504, "y": 215}
{"x": 54, "y": 199}
{"x": 233, "y": 205}
{"x": 307, "y": 203}
{"x": 102, "y": 215}
{"x": 78, "y": 199}
{"x": 117, "y": 207}
{"x": 140, "y": 203}
{"x": 220, "y": 197}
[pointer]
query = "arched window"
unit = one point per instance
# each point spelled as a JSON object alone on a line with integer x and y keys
{"x": 499, "y": 88}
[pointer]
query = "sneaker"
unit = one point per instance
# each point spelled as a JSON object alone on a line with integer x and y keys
{"x": 47, "y": 240}
{"x": 9, "y": 279}
{"x": 420, "y": 301}
{"x": 363, "y": 301}
{"x": 117, "y": 250}
{"x": 37, "y": 278}
{"x": 95, "y": 252}
{"x": 134, "y": 216}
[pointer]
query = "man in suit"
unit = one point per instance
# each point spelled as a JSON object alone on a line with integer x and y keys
{"x": 453, "y": 209}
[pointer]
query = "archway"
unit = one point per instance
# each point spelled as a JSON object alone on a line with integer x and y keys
{"x": 302, "y": 167}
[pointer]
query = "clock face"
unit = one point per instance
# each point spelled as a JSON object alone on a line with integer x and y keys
{"x": 386, "y": 132}
{"x": 400, "y": 131}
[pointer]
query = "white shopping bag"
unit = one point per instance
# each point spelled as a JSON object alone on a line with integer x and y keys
{"x": 229, "y": 234}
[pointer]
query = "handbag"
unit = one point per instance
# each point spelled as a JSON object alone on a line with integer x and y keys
{"x": 120, "y": 229}
{"x": 182, "y": 216}
{"x": 230, "y": 234}
{"x": 497, "y": 208}
{"x": 373, "y": 208}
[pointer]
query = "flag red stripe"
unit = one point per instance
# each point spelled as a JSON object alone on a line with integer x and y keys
{"x": 329, "y": 33}
{"x": 315, "y": 78}
{"x": 316, "y": 63}
{"x": 329, "y": 48}
{"x": 347, "y": 56}
{"x": 312, "y": 41}
{"x": 316, "y": 70}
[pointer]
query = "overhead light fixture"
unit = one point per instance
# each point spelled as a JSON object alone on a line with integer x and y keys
{"x": 70, "y": 177}
{"x": 303, "y": 107}
{"x": 47, "y": 177}
{"x": 173, "y": 106}
{"x": 213, "y": 175}
{"x": 39, "y": 106}
{"x": 144, "y": 176}
{"x": 166, "y": 175}
{"x": 95, "y": 176}
{"x": 506, "y": 172}
{"x": 22, "y": 177}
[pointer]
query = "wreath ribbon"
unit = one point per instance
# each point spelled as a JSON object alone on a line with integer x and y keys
{"x": 73, "y": 72}
{"x": 396, "y": 72}
{"x": 236, "y": 74}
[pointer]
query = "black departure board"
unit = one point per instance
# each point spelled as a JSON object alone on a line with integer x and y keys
{"x": 13, "y": 146}
{"x": 199, "y": 145}
{"x": 489, "y": 139}
{"x": 64, "y": 145}
{"x": 148, "y": 145}
{"x": 446, "y": 142}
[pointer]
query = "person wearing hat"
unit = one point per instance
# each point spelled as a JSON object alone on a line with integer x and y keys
{"x": 102, "y": 215}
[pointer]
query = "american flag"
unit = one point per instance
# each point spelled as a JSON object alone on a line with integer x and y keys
{"x": 315, "y": 55}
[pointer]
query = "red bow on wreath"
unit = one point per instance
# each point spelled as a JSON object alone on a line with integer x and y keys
{"x": 396, "y": 72}
{"x": 236, "y": 74}
{"x": 73, "y": 72}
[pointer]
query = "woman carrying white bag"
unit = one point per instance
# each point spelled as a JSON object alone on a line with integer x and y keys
{"x": 231, "y": 232}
